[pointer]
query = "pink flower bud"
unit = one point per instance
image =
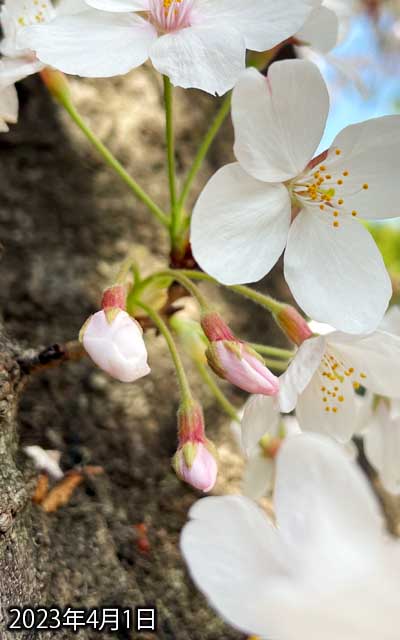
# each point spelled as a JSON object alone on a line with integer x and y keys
{"x": 114, "y": 341}
{"x": 293, "y": 324}
{"x": 234, "y": 360}
{"x": 216, "y": 328}
{"x": 195, "y": 463}
{"x": 238, "y": 363}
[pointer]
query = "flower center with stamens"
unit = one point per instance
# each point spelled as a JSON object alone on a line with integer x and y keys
{"x": 334, "y": 373}
{"x": 170, "y": 15}
{"x": 324, "y": 188}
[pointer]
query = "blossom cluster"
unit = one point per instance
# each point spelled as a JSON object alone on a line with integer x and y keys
{"x": 282, "y": 196}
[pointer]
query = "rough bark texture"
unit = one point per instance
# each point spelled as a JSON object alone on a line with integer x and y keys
{"x": 66, "y": 222}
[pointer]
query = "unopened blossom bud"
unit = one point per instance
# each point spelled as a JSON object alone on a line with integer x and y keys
{"x": 195, "y": 461}
{"x": 293, "y": 324}
{"x": 114, "y": 341}
{"x": 235, "y": 360}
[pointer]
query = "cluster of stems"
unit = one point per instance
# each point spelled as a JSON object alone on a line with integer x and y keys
{"x": 176, "y": 221}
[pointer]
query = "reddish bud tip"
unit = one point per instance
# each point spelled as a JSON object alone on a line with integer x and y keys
{"x": 293, "y": 324}
{"x": 216, "y": 328}
{"x": 114, "y": 298}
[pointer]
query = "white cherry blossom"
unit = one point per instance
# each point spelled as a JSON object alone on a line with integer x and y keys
{"x": 18, "y": 60}
{"x": 382, "y": 443}
{"x": 243, "y": 221}
{"x": 325, "y": 569}
{"x": 263, "y": 430}
{"x": 320, "y": 31}
{"x": 326, "y": 371}
{"x": 196, "y": 43}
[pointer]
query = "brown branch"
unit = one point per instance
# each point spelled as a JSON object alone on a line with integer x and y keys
{"x": 53, "y": 356}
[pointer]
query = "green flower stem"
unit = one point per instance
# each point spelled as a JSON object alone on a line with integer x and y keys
{"x": 216, "y": 124}
{"x": 276, "y": 365}
{"x": 216, "y": 391}
{"x": 186, "y": 394}
{"x": 275, "y": 352}
{"x": 114, "y": 163}
{"x": 259, "y": 298}
{"x": 180, "y": 277}
{"x": 128, "y": 265}
{"x": 170, "y": 140}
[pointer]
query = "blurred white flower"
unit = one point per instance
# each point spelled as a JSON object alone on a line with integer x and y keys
{"x": 263, "y": 430}
{"x": 327, "y": 569}
{"x": 8, "y": 107}
{"x": 320, "y": 31}
{"x": 382, "y": 444}
{"x": 242, "y": 221}
{"x": 18, "y": 60}
{"x": 196, "y": 43}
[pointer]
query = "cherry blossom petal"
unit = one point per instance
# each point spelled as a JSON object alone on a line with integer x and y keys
{"x": 300, "y": 371}
{"x": 337, "y": 275}
{"x": 264, "y": 23}
{"x": 318, "y": 416}
{"x": 232, "y": 561}
{"x": 92, "y": 43}
{"x": 261, "y": 415}
{"x": 69, "y": 7}
{"x": 376, "y": 357}
{"x": 258, "y": 478}
{"x": 279, "y": 121}
{"x": 320, "y": 496}
{"x": 321, "y": 30}
{"x": 369, "y": 152}
{"x": 391, "y": 321}
{"x": 239, "y": 226}
{"x": 119, "y": 6}
{"x": 326, "y": 571}
{"x": 8, "y": 107}
{"x": 382, "y": 447}
{"x": 201, "y": 57}
{"x": 14, "y": 69}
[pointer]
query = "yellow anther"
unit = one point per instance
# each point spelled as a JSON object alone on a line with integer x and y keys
{"x": 322, "y": 167}
{"x": 334, "y": 409}
{"x": 338, "y": 152}
{"x": 322, "y": 207}
{"x": 327, "y": 408}
{"x": 354, "y": 213}
{"x": 336, "y": 213}
{"x": 356, "y": 385}
{"x": 365, "y": 186}
{"x": 340, "y": 181}
{"x": 328, "y": 177}
{"x": 340, "y": 201}
{"x": 363, "y": 375}
{"x": 336, "y": 224}
{"x": 345, "y": 173}
{"x": 341, "y": 399}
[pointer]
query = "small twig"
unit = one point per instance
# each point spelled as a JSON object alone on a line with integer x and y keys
{"x": 53, "y": 356}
